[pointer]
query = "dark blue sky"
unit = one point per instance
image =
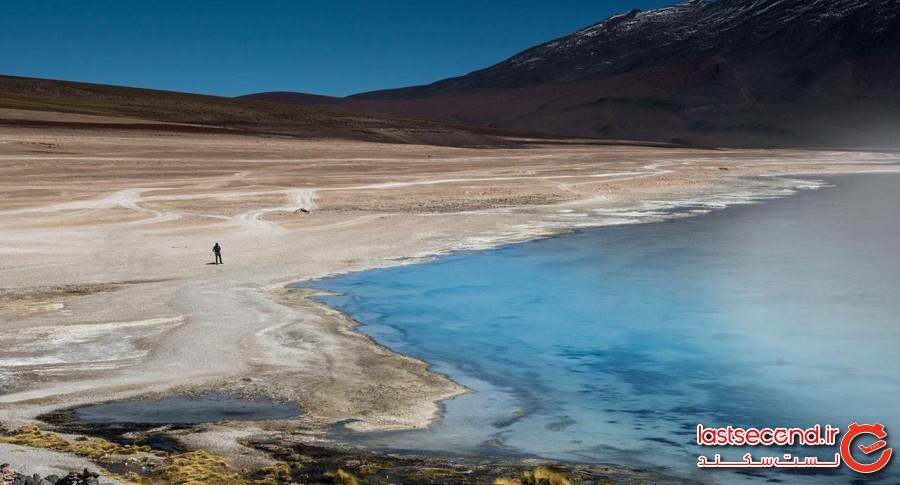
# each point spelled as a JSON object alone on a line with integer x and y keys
{"x": 230, "y": 47}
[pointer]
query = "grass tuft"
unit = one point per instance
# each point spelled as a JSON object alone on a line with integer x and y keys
{"x": 132, "y": 477}
{"x": 343, "y": 478}
{"x": 92, "y": 448}
{"x": 507, "y": 481}
{"x": 539, "y": 476}
{"x": 195, "y": 467}
{"x": 274, "y": 475}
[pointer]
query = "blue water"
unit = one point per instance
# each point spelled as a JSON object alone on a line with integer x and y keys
{"x": 611, "y": 345}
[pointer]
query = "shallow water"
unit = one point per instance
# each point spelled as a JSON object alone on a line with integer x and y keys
{"x": 205, "y": 408}
{"x": 611, "y": 345}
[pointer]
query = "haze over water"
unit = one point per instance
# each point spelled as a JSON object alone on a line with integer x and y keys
{"x": 611, "y": 345}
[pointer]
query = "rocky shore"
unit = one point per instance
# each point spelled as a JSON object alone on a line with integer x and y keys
{"x": 130, "y": 454}
{"x": 11, "y": 476}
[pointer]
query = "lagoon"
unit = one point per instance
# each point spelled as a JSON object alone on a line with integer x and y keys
{"x": 612, "y": 344}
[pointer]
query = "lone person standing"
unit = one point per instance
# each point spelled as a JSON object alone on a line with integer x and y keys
{"x": 217, "y": 250}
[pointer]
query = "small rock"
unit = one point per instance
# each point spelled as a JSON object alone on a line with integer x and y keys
{"x": 70, "y": 479}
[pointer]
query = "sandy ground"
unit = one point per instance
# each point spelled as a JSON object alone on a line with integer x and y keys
{"x": 106, "y": 291}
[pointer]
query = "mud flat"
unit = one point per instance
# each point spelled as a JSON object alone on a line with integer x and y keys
{"x": 106, "y": 238}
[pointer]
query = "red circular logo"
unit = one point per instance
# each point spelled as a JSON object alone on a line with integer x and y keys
{"x": 876, "y": 430}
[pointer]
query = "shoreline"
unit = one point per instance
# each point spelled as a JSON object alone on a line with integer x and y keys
{"x": 171, "y": 317}
{"x": 383, "y": 442}
{"x": 669, "y": 213}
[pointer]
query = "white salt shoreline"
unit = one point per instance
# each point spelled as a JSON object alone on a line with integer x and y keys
{"x": 239, "y": 321}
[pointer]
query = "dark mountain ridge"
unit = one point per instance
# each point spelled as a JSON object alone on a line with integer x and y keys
{"x": 811, "y": 35}
{"x": 765, "y": 73}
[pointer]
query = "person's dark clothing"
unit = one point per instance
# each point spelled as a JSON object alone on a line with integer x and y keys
{"x": 217, "y": 250}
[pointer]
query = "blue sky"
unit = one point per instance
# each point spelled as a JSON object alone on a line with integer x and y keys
{"x": 230, "y": 47}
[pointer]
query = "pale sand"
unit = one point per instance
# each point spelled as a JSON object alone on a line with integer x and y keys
{"x": 104, "y": 236}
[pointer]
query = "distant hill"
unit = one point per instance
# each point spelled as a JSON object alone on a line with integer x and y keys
{"x": 145, "y": 109}
{"x": 757, "y": 73}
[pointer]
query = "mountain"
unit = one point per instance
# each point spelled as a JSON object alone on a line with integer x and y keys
{"x": 116, "y": 107}
{"x": 763, "y": 73}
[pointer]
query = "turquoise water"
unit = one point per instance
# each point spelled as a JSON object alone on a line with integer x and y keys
{"x": 612, "y": 344}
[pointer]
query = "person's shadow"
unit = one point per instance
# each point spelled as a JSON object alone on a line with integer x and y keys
{"x": 209, "y": 264}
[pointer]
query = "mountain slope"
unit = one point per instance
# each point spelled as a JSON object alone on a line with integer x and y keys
{"x": 802, "y": 38}
{"x": 145, "y": 109}
{"x": 763, "y": 73}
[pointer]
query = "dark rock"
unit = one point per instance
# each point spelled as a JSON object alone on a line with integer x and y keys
{"x": 70, "y": 479}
